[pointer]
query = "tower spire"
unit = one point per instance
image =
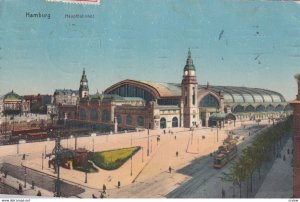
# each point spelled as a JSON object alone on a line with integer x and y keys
{"x": 189, "y": 62}
{"x": 84, "y": 87}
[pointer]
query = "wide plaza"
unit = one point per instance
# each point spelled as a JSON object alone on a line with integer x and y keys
{"x": 190, "y": 145}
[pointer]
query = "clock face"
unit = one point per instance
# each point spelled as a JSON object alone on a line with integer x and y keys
{"x": 192, "y": 73}
{"x": 185, "y": 73}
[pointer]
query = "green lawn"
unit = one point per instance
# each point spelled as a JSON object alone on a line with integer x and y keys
{"x": 89, "y": 168}
{"x": 112, "y": 159}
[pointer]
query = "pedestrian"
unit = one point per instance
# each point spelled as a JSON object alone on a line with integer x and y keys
{"x": 104, "y": 188}
{"x": 94, "y": 196}
{"x": 164, "y": 131}
{"x": 39, "y": 193}
{"x": 49, "y": 163}
{"x": 119, "y": 184}
{"x": 5, "y": 173}
{"x": 176, "y": 153}
{"x": 170, "y": 169}
{"x": 223, "y": 193}
{"x": 20, "y": 189}
{"x": 32, "y": 184}
{"x": 101, "y": 195}
{"x": 175, "y": 137}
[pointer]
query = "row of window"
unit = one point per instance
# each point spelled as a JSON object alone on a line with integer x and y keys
{"x": 250, "y": 108}
{"x": 251, "y": 98}
{"x": 94, "y": 115}
{"x": 106, "y": 117}
{"x": 139, "y": 121}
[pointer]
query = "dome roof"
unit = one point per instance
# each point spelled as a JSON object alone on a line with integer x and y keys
{"x": 12, "y": 96}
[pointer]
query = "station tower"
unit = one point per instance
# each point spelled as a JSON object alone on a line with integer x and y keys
{"x": 189, "y": 87}
{"x": 84, "y": 87}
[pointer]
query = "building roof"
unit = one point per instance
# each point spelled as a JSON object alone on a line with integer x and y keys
{"x": 114, "y": 97}
{"x": 156, "y": 88}
{"x": 231, "y": 94}
{"x": 66, "y": 92}
{"x": 12, "y": 96}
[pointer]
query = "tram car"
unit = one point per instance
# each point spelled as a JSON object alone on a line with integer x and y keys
{"x": 225, "y": 154}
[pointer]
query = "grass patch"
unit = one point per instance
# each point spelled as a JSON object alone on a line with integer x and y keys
{"x": 112, "y": 159}
{"x": 89, "y": 168}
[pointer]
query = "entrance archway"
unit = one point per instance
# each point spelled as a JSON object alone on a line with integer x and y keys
{"x": 163, "y": 123}
{"x": 174, "y": 122}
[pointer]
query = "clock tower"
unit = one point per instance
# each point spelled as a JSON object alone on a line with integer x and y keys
{"x": 189, "y": 87}
{"x": 84, "y": 87}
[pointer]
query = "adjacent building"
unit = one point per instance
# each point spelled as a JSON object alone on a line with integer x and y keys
{"x": 38, "y": 103}
{"x": 65, "y": 97}
{"x": 148, "y": 104}
{"x": 296, "y": 107}
{"x": 15, "y": 104}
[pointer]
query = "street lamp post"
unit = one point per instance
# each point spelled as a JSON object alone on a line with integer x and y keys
{"x": 142, "y": 154}
{"x": 217, "y": 134}
{"x": 148, "y": 136}
{"x": 131, "y": 156}
{"x": 93, "y": 145}
{"x": 85, "y": 181}
{"x": 45, "y": 151}
{"x": 42, "y": 161}
{"x": 25, "y": 176}
{"x": 57, "y": 165}
{"x": 18, "y": 147}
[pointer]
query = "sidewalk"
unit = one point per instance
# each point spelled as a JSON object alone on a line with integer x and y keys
{"x": 279, "y": 181}
{"x": 28, "y": 191}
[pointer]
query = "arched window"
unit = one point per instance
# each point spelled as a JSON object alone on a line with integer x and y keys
{"x": 288, "y": 108}
{"x": 175, "y": 122}
{"x": 119, "y": 119}
{"x": 163, "y": 123}
{"x": 279, "y": 108}
{"x": 129, "y": 90}
{"x": 128, "y": 120}
{"x": 140, "y": 121}
{"x": 94, "y": 115}
{"x": 209, "y": 101}
{"x": 270, "y": 108}
{"x": 250, "y": 108}
{"x": 238, "y": 109}
{"x": 82, "y": 114}
{"x": 105, "y": 116}
{"x": 260, "y": 108}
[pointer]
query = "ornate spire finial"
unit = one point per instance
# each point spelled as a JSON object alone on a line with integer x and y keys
{"x": 189, "y": 62}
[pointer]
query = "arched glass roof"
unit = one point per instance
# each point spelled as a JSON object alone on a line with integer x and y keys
{"x": 234, "y": 94}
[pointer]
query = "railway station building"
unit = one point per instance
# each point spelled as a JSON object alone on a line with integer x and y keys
{"x": 155, "y": 105}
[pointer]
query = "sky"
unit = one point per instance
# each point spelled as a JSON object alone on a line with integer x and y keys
{"x": 233, "y": 43}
